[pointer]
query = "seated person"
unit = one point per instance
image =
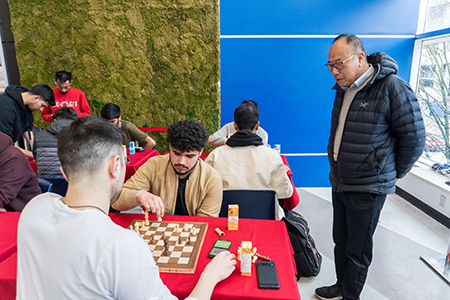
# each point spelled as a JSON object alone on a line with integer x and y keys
{"x": 68, "y": 248}
{"x": 45, "y": 149}
{"x": 220, "y": 137}
{"x": 18, "y": 183}
{"x": 180, "y": 182}
{"x": 111, "y": 113}
{"x": 245, "y": 164}
{"x": 66, "y": 95}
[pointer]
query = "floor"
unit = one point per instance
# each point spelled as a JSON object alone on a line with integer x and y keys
{"x": 403, "y": 234}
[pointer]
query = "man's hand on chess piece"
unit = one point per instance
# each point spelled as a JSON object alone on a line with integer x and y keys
{"x": 151, "y": 203}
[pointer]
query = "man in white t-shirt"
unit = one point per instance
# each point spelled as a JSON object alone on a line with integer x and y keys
{"x": 68, "y": 248}
{"x": 220, "y": 137}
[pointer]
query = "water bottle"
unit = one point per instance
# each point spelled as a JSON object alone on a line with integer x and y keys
{"x": 132, "y": 148}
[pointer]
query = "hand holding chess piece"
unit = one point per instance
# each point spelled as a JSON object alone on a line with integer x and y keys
{"x": 151, "y": 203}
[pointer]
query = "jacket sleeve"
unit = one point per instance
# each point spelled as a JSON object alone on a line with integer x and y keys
{"x": 84, "y": 109}
{"x": 11, "y": 185}
{"x": 47, "y": 113}
{"x": 408, "y": 129}
{"x": 139, "y": 181}
{"x": 212, "y": 202}
{"x": 280, "y": 181}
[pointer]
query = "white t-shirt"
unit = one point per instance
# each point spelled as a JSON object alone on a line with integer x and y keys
{"x": 220, "y": 137}
{"x": 71, "y": 254}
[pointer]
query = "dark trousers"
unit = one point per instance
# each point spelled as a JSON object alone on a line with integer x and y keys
{"x": 355, "y": 217}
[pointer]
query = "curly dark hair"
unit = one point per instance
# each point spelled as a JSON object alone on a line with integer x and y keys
{"x": 187, "y": 135}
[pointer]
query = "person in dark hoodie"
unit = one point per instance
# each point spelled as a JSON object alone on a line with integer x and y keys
{"x": 16, "y": 106}
{"x": 244, "y": 163}
{"x": 18, "y": 183}
{"x": 45, "y": 149}
{"x": 377, "y": 134}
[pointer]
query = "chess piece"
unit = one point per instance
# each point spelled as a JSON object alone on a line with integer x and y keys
{"x": 152, "y": 239}
{"x": 177, "y": 228}
{"x": 185, "y": 227}
{"x": 146, "y": 222}
{"x": 193, "y": 232}
{"x": 219, "y": 232}
{"x": 179, "y": 240}
{"x": 189, "y": 240}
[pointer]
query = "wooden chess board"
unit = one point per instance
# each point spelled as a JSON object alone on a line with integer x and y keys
{"x": 182, "y": 257}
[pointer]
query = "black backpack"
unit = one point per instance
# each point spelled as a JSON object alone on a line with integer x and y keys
{"x": 307, "y": 257}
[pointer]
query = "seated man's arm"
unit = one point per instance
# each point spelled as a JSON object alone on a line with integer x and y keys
{"x": 135, "y": 193}
{"x": 212, "y": 202}
{"x": 220, "y": 137}
{"x": 280, "y": 181}
{"x": 13, "y": 178}
{"x": 220, "y": 267}
{"x": 149, "y": 143}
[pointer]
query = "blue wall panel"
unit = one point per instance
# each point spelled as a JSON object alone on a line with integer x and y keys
{"x": 310, "y": 171}
{"x": 319, "y": 17}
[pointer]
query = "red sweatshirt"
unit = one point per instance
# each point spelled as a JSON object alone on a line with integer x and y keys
{"x": 74, "y": 98}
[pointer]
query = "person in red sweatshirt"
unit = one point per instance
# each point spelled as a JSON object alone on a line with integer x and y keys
{"x": 65, "y": 95}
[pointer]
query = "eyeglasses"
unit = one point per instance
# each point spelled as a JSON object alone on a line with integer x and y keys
{"x": 338, "y": 65}
{"x": 63, "y": 87}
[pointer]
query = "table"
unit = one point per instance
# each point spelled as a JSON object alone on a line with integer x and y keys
{"x": 8, "y": 228}
{"x": 136, "y": 160}
{"x": 291, "y": 202}
{"x": 260, "y": 232}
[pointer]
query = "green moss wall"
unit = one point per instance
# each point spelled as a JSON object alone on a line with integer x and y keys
{"x": 157, "y": 59}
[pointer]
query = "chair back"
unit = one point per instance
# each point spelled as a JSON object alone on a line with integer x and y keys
{"x": 59, "y": 185}
{"x": 45, "y": 185}
{"x": 253, "y": 204}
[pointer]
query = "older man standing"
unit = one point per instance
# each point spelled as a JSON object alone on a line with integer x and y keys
{"x": 377, "y": 134}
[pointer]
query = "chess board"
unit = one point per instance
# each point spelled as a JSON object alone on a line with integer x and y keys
{"x": 182, "y": 257}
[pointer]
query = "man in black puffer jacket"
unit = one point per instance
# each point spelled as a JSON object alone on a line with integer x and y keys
{"x": 377, "y": 134}
{"x": 45, "y": 148}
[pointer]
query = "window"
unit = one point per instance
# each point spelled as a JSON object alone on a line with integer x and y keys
{"x": 437, "y": 15}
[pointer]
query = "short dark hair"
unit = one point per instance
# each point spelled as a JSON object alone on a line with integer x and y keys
{"x": 63, "y": 76}
{"x": 45, "y": 92}
{"x": 250, "y": 101}
{"x": 110, "y": 111}
{"x": 85, "y": 144}
{"x": 65, "y": 112}
{"x": 187, "y": 135}
{"x": 246, "y": 116}
{"x": 354, "y": 41}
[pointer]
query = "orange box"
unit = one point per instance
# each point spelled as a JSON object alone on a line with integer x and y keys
{"x": 246, "y": 258}
{"x": 233, "y": 217}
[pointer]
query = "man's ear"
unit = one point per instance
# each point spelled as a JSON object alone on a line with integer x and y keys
{"x": 63, "y": 173}
{"x": 114, "y": 166}
{"x": 235, "y": 126}
{"x": 255, "y": 129}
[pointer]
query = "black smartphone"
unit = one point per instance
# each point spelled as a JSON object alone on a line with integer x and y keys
{"x": 267, "y": 275}
{"x": 219, "y": 246}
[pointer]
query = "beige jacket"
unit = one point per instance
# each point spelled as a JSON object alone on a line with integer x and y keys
{"x": 203, "y": 188}
{"x": 252, "y": 168}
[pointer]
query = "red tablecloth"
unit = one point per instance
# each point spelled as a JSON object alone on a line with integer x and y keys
{"x": 291, "y": 202}
{"x": 8, "y": 275}
{"x": 270, "y": 238}
{"x": 136, "y": 161}
{"x": 8, "y": 229}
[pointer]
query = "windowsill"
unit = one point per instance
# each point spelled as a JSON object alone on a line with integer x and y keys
{"x": 424, "y": 172}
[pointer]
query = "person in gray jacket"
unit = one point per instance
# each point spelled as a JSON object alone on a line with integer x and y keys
{"x": 45, "y": 150}
{"x": 377, "y": 134}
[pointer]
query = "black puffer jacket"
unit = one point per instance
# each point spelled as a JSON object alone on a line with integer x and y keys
{"x": 45, "y": 150}
{"x": 383, "y": 134}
